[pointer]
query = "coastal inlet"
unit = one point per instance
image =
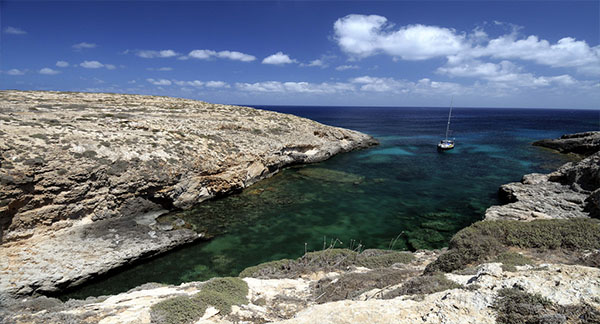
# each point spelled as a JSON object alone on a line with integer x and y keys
{"x": 402, "y": 194}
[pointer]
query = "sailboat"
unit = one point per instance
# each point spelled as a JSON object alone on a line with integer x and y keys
{"x": 447, "y": 144}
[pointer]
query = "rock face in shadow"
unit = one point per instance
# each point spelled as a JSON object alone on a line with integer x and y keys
{"x": 70, "y": 160}
{"x": 581, "y": 143}
{"x": 571, "y": 191}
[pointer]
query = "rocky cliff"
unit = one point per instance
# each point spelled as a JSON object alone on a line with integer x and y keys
{"x": 84, "y": 175}
{"x": 569, "y": 192}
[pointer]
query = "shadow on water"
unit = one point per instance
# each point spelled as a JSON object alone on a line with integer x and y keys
{"x": 403, "y": 188}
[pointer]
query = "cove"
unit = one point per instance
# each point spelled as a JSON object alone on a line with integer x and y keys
{"x": 402, "y": 194}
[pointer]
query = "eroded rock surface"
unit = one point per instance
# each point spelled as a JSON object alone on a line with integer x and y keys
{"x": 70, "y": 160}
{"x": 293, "y": 300}
{"x": 569, "y": 192}
{"x": 581, "y": 143}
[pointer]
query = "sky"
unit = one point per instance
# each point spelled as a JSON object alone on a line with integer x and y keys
{"x": 538, "y": 54}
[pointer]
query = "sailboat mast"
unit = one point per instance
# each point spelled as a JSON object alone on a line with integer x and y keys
{"x": 449, "y": 114}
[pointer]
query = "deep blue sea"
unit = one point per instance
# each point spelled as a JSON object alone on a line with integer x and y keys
{"x": 402, "y": 194}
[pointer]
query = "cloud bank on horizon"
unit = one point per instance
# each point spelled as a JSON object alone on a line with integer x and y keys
{"x": 369, "y": 63}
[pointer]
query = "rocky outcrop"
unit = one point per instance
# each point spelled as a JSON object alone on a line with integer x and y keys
{"x": 569, "y": 192}
{"x": 581, "y": 143}
{"x": 83, "y": 175}
{"x": 473, "y": 299}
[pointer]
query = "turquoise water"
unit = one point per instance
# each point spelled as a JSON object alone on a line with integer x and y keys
{"x": 402, "y": 194}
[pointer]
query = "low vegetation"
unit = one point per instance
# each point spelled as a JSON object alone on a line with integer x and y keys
{"x": 326, "y": 260}
{"x": 423, "y": 285}
{"x": 485, "y": 240}
{"x": 516, "y": 306}
{"x": 220, "y": 293}
{"x": 352, "y": 285}
{"x": 510, "y": 260}
{"x": 177, "y": 310}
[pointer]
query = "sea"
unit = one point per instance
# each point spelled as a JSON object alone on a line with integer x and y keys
{"x": 402, "y": 194}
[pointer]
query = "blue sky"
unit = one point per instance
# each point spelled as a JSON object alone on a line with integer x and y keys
{"x": 401, "y": 53}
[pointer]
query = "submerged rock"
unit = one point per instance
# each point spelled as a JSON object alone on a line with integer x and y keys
{"x": 331, "y": 175}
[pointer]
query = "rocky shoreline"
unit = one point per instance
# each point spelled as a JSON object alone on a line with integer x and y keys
{"x": 84, "y": 175}
{"x": 535, "y": 259}
{"x": 572, "y": 191}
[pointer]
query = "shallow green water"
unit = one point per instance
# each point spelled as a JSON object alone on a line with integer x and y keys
{"x": 402, "y": 194}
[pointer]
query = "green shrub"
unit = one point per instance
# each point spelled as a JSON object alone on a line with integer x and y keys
{"x": 177, "y": 310}
{"x": 40, "y": 136}
{"x": 484, "y": 240}
{"x": 423, "y": 285}
{"x": 384, "y": 260}
{"x": 222, "y": 293}
{"x": 517, "y": 306}
{"x": 510, "y": 260}
{"x": 351, "y": 285}
{"x": 269, "y": 269}
{"x": 326, "y": 260}
{"x": 592, "y": 260}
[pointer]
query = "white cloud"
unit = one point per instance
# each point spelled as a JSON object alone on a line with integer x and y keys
{"x": 236, "y": 56}
{"x": 62, "y": 64}
{"x": 96, "y": 65}
{"x": 476, "y": 68}
{"x": 202, "y": 54}
{"x": 195, "y": 83}
{"x": 83, "y": 45}
{"x": 317, "y": 62}
{"x": 295, "y": 87}
{"x": 200, "y": 84}
{"x": 361, "y": 36}
{"x": 567, "y": 52}
{"x": 159, "y": 82}
{"x": 160, "y": 69}
{"x": 206, "y": 54}
{"x": 278, "y": 59}
{"x": 14, "y": 30}
{"x": 15, "y": 72}
{"x": 91, "y": 64}
{"x": 48, "y": 71}
{"x": 505, "y": 74}
{"x": 156, "y": 54}
{"x": 347, "y": 67}
{"x": 376, "y": 84}
{"x": 217, "y": 84}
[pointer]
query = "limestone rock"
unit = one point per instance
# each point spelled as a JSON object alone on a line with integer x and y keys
{"x": 569, "y": 192}
{"x": 288, "y": 301}
{"x": 581, "y": 143}
{"x": 71, "y": 160}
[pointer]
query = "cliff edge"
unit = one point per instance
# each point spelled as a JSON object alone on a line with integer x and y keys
{"x": 84, "y": 175}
